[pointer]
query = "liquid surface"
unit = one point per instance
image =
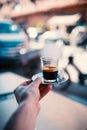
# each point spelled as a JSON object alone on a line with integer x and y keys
{"x": 49, "y": 68}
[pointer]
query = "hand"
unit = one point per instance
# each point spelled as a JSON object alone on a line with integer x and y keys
{"x": 32, "y": 91}
{"x": 24, "y": 89}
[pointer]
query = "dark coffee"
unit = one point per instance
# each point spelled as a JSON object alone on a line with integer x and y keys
{"x": 50, "y": 72}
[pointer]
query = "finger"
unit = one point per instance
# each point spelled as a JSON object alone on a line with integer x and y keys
{"x": 45, "y": 87}
{"x": 45, "y": 91}
{"x": 37, "y": 82}
{"x": 42, "y": 86}
{"x": 22, "y": 86}
{"x": 20, "y": 89}
{"x": 27, "y": 82}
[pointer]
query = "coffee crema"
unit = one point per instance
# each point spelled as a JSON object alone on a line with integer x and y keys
{"x": 50, "y": 72}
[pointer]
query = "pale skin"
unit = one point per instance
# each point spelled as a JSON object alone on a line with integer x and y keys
{"x": 28, "y": 95}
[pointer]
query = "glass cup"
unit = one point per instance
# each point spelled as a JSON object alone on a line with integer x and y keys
{"x": 49, "y": 67}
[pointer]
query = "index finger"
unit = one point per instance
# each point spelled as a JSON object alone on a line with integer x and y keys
{"x": 22, "y": 85}
{"x": 26, "y": 83}
{"x": 37, "y": 82}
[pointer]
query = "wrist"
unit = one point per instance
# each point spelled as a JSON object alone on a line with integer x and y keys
{"x": 31, "y": 107}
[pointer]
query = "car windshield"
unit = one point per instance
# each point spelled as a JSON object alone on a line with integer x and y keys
{"x": 8, "y": 28}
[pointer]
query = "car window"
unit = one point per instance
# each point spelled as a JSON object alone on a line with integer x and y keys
{"x": 8, "y": 28}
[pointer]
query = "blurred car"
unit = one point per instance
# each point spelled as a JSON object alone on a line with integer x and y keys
{"x": 12, "y": 41}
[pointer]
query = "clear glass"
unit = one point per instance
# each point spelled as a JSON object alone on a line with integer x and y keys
{"x": 49, "y": 67}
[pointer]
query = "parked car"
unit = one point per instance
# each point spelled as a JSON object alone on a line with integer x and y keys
{"x": 12, "y": 41}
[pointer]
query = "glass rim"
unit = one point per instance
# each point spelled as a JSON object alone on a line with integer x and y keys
{"x": 48, "y": 58}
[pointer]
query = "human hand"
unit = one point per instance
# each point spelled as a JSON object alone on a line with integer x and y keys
{"x": 32, "y": 88}
{"x": 32, "y": 92}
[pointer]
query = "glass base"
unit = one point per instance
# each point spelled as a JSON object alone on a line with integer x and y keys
{"x": 50, "y": 81}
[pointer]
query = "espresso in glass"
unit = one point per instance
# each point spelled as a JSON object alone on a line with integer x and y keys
{"x": 49, "y": 73}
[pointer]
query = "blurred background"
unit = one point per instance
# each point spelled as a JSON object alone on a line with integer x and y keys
{"x": 30, "y": 29}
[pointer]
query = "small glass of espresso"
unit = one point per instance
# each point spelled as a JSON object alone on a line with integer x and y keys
{"x": 49, "y": 67}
